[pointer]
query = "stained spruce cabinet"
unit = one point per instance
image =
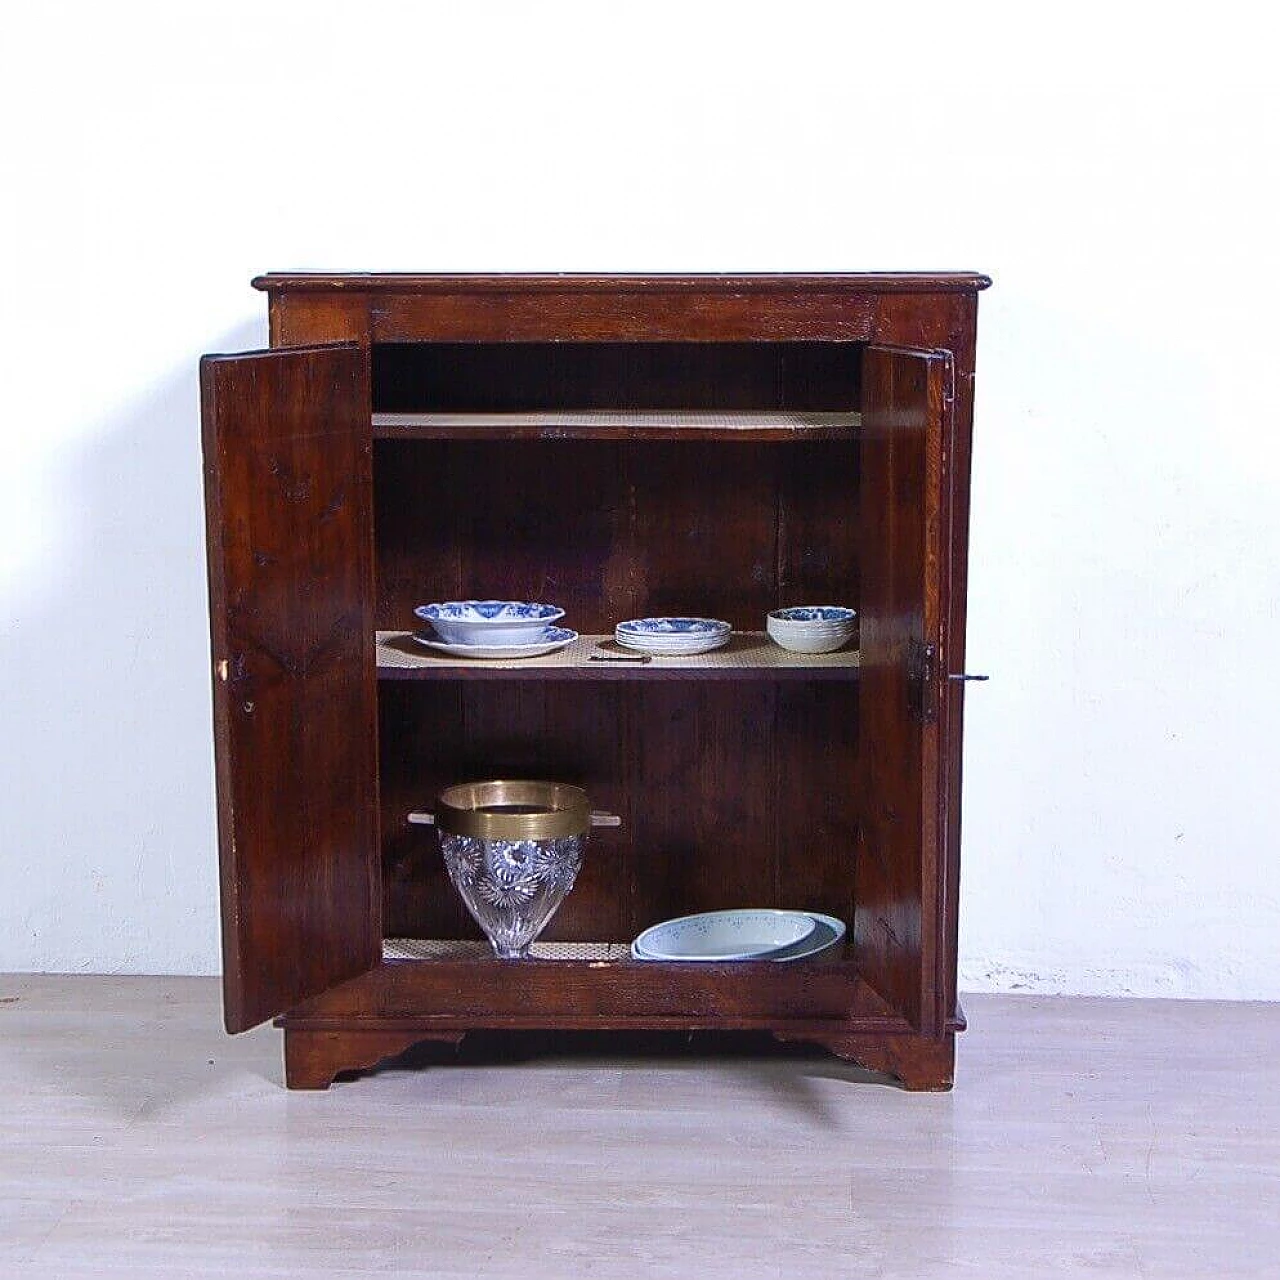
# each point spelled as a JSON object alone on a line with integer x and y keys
{"x": 620, "y": 445}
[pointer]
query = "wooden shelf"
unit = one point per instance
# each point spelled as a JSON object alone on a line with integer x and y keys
{"x": 472, "y": 990}
{"x": 595, "y": 424}
{"x": 750, "y": 655}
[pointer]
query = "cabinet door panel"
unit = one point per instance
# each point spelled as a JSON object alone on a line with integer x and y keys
{"x": 899, "y": 864}
{"x": 288, "y": 447}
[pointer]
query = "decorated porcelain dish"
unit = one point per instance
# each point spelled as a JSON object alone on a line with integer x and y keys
{"x": 674, "y": 636}
{"x": 815, "y": 613}
{"x": 812, "y": 628}
{"x": 673, "y": 627}
{"x": 489, "y": 621}
{"x": 745, "y": 934}
{"x": 551, "y": 640}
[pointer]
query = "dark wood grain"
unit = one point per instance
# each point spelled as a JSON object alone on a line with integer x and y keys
{"x": 516, "y": 377}
{"x": 816, "y": 736}
{"x": 287, "y": 470}
{"x": 919, "y": 1063}
{"x": 895, "y": 919}
{"x": 617, "y": 531}
{"x": 439, "y": 994}
{"x": 642, "y": 316}
{"x": 313, "y": 1058}
{"x": 705, "y": 800}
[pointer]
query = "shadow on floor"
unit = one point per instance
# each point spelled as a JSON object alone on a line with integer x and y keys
{"x": 787, "y": 1071}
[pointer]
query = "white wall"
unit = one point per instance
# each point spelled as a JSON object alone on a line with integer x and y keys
{"x": 1115, "y": 174}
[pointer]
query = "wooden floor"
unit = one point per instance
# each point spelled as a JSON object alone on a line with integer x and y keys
{"x": 1085, "y": 1137}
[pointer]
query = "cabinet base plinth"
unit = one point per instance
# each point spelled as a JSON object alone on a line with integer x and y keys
{"x": 918, "y": 1063}
{"x": 313, "y": 1058}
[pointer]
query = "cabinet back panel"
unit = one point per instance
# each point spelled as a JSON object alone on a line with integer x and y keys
{"x": 510, "y": 377}
{"x": 617, "y": 530}
{"x": 729, "y": 794}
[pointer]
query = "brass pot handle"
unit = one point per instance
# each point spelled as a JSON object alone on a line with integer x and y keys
{"x": 598, "y": 819}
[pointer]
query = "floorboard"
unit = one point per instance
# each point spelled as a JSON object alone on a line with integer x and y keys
{"x": 1084, "y": 1137}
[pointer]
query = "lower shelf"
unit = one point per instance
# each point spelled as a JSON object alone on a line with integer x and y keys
{"x": 437, "y": 985}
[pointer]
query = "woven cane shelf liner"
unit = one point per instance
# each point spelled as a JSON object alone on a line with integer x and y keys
{"x": 748, "y": 654}
{"x": 465, "y": 949}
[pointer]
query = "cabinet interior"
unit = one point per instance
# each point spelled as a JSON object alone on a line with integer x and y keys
{"x": 731, "y": 792}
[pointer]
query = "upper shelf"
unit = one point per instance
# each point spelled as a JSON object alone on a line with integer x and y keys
{"x": 749, "y": 655}
{"x": 600, "y": 424}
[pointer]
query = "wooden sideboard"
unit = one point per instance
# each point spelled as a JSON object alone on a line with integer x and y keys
{"x": 621, "y": 446}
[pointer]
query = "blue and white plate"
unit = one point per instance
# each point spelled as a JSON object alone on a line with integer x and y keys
{"x": 489, "y": 622}
{"x": 551, "y": 640}
{"x": 674, "y": 636}
{"x": 672, "y": 627}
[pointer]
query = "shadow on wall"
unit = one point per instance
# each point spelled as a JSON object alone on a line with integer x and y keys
{"x": 108, "y": 853}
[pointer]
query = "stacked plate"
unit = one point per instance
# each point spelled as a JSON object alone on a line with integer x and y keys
{"x": 493, "y": 628}
{"x": 673, "y": 637}
{"x": 746, "y": 934}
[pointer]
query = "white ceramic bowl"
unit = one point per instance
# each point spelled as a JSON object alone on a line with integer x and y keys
{"x": 746, "y": 934}
{"x": 489, "y": 622}
{"x": 822, "y": 944}
{"x": 812, "y": 628}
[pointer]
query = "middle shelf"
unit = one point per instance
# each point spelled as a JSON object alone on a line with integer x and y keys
{"x": 750, "y": 655}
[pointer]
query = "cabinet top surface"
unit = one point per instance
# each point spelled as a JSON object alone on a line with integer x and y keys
{"x": 409, "y": 282}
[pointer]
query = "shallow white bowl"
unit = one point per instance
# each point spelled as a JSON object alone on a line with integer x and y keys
{"x": 746, "y": 934}
{"x": 822, "y": 945}
{"x": 822, "y": 942}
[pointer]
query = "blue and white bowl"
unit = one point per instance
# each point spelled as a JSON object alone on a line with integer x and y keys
{"x": 820, "y": 628}
{"x": 673, "y": 636}
{"x": 489, "y": 622}
{"x": 816, "y": 613}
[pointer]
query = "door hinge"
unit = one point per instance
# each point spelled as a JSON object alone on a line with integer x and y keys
{"x": 922, "y": 683}
{"x": 949, "y": 378}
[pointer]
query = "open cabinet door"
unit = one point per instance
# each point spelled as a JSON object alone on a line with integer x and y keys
{"x": 288, "y": 477}
{"x": 898, "y": 889}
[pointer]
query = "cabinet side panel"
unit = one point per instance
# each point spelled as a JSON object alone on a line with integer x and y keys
{"x": 288, "y": 476}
